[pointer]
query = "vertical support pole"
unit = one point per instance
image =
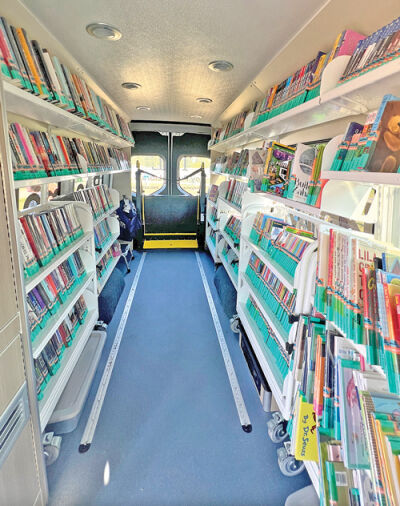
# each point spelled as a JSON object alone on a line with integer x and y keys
{"x": 138, "y": 176}
{"x": 202, "y": 197}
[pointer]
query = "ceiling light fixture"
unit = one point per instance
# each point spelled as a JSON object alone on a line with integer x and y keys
{"x": 143, "y": 108}
{"x": 131, "y": 86}
{"x": 220, "y": 66}
{"x": 196, "y": 116}
{"x": 203, "y": 100}
{"x": 103, "y": 31}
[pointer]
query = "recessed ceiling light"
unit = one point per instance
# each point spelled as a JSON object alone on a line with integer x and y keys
{"x": 196, "y": 116}
{"x": 103, "y": 31}
{"x": 204, "y": 100}
{"x": 143, "y": 108}
{"x": 220, "y": 66}
{"x": 131, "y": 86}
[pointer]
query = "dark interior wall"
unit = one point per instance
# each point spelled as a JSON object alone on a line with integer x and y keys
{"x": 152, "y": 143}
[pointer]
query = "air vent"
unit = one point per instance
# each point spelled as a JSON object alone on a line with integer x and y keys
{"x": 12, "y": 421}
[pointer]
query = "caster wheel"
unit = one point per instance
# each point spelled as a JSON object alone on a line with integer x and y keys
{"x": 289, "y": 466}
{"x": 277, "y": 432}
{"x": 235, "y": 325}
{"x": 51, "y": 454}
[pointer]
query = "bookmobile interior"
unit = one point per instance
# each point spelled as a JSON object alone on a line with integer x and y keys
{"x": 200, "y": 252}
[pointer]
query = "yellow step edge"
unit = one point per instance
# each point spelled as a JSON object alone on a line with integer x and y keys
{"x": 169, "y": 244}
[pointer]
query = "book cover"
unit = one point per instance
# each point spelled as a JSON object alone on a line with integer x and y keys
{"x": 386, "y": 155}
{"x": 306, "y": 447}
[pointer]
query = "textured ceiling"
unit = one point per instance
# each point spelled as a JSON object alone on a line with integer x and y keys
{"x": 167, "y": 44}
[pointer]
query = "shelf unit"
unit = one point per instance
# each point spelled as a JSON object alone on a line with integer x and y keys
{"x": 37, "y": 113}
{"x": 225, "y": 209}
{"x": 256, "y": 339}
{"x": 363, "y": 177}
{"x": 23, "y": 183}
{"x": 56, "y": 320}
{"x": 358, "y": 96}
{"x": 101, "y": 283}
{"x": 231, "y": 273}
{"x": 26, "y": 104}
{"x": 71, "y": 355}
{"x": 213, "y": 250}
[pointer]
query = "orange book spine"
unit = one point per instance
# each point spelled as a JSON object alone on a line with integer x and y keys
{"x": 30, "y": 60}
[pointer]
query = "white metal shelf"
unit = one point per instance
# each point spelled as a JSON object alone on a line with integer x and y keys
{"x": 357, "y": 96}
{"x": 264, "y": 309}
{"x": 293, "y": 204}
{"x": 214, "y": 226}
{"x": 229, "y": 240}
{"x": 231, "y": 273}
{"x": 107, "y": 246}
{"x": 257, "y": 342}
{"x": 234, "y": 176}
{"x": 103, "y": 280}
{"x": 365, "y": 93}
{"x": 69, "y": 359}
{"x": 21, "y": 102}
{"x": 23, "y": 183}
{"x": 234, "y": 207}
{"x": 43, "y": 272}
{"x": 305, "y": 115}
{"x": 55, "y": 321}
{"x": 313, "y": 472}
{"x": 213, "y": 250}
{"x": 362, "y": 177}
{"x": 263, "y": 256}
{"x": 105, "y": 215}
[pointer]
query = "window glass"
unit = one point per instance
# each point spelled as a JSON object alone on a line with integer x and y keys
{"x": 188, "y": 164}
{"x": 154, "y": 164}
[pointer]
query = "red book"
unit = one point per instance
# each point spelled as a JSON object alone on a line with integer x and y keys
{"x": 30, "y": 238}
{"x": 397, "y": 301}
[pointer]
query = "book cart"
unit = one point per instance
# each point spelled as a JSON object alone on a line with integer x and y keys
{"x": 34, "y": 113}
{"x": 350, "y": 202}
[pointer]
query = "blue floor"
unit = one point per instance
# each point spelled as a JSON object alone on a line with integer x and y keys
{"x": 169, "y": 428}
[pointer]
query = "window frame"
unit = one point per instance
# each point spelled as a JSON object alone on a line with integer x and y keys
{"x": 133, "y": 169}
{"x": 178, "y": 162}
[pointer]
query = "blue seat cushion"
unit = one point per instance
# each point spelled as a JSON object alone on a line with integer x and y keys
{"x": 226, "y": 291}
{"x": 109, "y": 296}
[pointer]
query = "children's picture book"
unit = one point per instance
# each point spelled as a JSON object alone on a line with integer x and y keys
{"x": 277, "y": 168}
{"x": 301, "y": 172}
{"x": 256, "y": 165}
{"x": 386, "y": 155}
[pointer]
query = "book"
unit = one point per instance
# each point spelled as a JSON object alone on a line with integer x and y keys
{"x": 300, "y": 174}
{"x": 277, "y": 168}
{"x": 386, "y": 155}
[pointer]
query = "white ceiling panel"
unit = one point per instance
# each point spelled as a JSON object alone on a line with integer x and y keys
{"x": 167, "y": 44}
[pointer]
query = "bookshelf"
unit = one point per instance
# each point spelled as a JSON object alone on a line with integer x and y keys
{"x": 22, "y": 103}
{"x": 224, "y": 210}
{"x": 371, "y": 178}
{"x": 23, "y": 183}
{"x": 34, "y": 113}
{"x": 71, "y": 355}
{"x": 358, "y": 96}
